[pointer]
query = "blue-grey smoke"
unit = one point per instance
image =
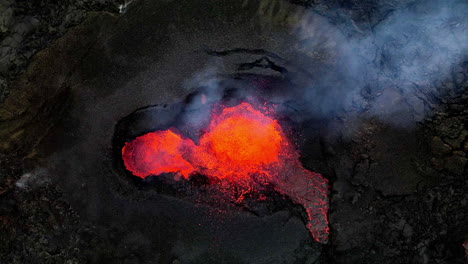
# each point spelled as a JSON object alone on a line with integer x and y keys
{"x": 402, "y": 60}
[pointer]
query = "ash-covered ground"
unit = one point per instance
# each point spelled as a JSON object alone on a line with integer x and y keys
{"x": 375, "y": 93}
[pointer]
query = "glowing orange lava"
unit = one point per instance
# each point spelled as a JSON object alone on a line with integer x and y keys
{"x": 157, "y": 152}
{"x": 239, "y": 143}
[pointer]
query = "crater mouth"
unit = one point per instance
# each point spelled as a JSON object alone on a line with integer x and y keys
{"x": 190, "y": 116}
{"x": 225, "y": 147}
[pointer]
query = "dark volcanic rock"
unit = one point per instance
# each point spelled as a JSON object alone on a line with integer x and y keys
{"x": 450, "y": 127}
{"x": 398, "y": 174}
{"x": 439, "y": 147}
{"x": 27, "y": 27}
{"x": 455, "y": 164}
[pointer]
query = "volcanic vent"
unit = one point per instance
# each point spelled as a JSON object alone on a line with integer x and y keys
{"x": 241, "y": 150}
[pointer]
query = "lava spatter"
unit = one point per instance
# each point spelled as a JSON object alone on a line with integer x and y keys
{"x": 240, "y": 145}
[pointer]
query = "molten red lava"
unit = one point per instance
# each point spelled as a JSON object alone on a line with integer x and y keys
{"x": 239, "y": 143}
{"x": 157, "y": 152}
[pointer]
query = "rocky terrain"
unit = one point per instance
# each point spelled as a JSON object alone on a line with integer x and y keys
{"x": 26, "y": 27}
{"x": 69, "y": 72}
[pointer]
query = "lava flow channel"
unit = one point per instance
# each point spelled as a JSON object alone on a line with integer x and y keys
{"x": 239, "y": 142}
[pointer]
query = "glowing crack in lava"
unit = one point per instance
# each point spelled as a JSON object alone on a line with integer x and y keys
{"x": 239, "y": 143}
